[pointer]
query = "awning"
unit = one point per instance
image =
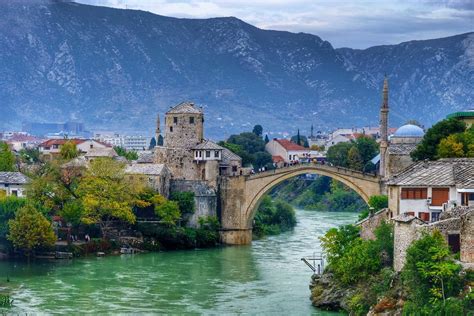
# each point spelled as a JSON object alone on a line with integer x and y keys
{"x": 465, "y": 190}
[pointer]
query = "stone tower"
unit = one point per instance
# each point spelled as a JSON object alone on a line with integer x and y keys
{"x": 384, "y": 129}
{"x": 184, "y": 126}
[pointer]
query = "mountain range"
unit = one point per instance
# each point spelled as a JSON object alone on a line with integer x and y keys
{"x": 116, "y": 69}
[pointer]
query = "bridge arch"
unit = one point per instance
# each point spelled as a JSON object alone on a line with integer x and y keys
{"x": 241, "y": 195}
{"x": 261, "y": 191}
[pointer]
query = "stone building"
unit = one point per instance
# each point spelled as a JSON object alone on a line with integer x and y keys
{"x": 195, "y": 164}
{"x": 287, "y": 151}
{"x": 13, "y": 183}
{"x": 426, "y": 189}
{"x": 156, "y": 176}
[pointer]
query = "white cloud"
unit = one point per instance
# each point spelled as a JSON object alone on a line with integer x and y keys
{"x": 357, "y": 24}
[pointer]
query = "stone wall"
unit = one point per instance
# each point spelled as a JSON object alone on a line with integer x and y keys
{"x": 467, "y": 237}
{"x": 404, "y": 233}
{"x": 205, "y": 198}
{"x": 369, "y": 224}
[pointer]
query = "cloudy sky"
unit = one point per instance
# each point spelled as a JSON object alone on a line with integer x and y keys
{"x": 344, "y": 23}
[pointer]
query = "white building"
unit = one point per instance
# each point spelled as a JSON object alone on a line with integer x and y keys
{"x": 286, "y": 150}
{"x": 13, "y": 183}
{"x": 428, "y": 188}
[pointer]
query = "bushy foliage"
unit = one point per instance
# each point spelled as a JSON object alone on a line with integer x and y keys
{"x": 273, "y": 217}
{"x": 69, "y": 150}
{"x": 457, "y": 145}
{"x": 8, "y": 208}
{"x": 428, "y": 147}
{"x": 5, "y": 301}
{"x": 376, "y": 202}
{"x": 430, "y": 274}
{"x": 340, "y": 198}
{"x": 30, "y": 230}
{"x": 353, "y": 259}
{"x": 185, "y": 201}
{"x": 7, "y": 159}
{"x": 129, "y": 155}
{"x": 250, "y": 147}
{"x": 29, "y": 155}
{"x": 168, "y": 212}
{"x": 355, "y": 154}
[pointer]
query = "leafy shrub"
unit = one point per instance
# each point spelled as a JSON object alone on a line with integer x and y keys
{"x": 273, "y": 217}
{"x": 5, "y": 301}
{"x": 357, "y": 305}
{"x": 430, "y": 274}
{"x": 185, "y": 201}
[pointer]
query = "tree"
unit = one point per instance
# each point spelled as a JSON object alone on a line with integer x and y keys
{"x": 354, "y": 159}
{"x": 8, "y": 208}
{"x": 367, "y": 147}
{"x": 258, "y": 130}
{"x": 7, "y": 159}
{"x": 107, "y": 195}
{"x": 129, "y": 155}
{"x": 152, "y": 143}
{"x": 30, "y": 155}
{"x": 168, "y": 212}
{"x": 427, "y": 149}
{"x": 69, "y": 150}
{"x": 185, "y": 201}
{"x": 430, "y": 273}
{"x": 378, "y": 202}
{"x": 457, "y": 145}
{"x": 30, "y": 230}
{"x": 262, "y": 159}
{"x": 160, "y": 141}
{"x": 338, "y": 154}
{"x": 267, "y": 140}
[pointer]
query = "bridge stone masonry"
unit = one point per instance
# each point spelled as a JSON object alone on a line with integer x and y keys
{"x": 240, "y": 196}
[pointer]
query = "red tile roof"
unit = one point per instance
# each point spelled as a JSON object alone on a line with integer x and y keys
{"x": 288, "y": 145}
{"x": 277, "y": 159}
{"x": 51, "y": 142}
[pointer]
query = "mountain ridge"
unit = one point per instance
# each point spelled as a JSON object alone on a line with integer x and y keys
{"x": 115, "y": 69}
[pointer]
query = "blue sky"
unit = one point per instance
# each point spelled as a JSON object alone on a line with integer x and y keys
{"x": 356, "y": 24}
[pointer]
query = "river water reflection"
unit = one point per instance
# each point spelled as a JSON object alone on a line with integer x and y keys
{"x": 265, "y": 278}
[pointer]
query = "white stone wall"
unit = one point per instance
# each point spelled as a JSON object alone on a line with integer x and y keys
{"x": 9, "y": 189}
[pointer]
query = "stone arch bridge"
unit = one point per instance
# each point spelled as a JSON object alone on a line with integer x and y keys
{"x": 239, "y": 196}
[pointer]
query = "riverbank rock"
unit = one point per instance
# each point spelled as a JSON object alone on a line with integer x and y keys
{"x": 327, "y": 294}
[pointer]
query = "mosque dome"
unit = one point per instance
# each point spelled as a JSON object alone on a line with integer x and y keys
{"x": 409, "y": 130}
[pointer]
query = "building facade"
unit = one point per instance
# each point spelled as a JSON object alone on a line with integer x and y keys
{"x": 13, "y": 184}
{"x": 289, "y": 152}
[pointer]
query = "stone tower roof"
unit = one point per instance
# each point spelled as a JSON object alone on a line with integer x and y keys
{"x": 185, "y": 108}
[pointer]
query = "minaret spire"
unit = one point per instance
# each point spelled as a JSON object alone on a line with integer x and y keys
{"x": 158, "y": 131}
{"x": 384, "y": 129}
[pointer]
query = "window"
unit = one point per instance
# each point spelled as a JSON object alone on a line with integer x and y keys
{"x": 14, "y": 192}
{"x": 439, "y": 196}
{"x": 216, "y": 154}
{"x": 91, "y": 146}
{"x": 435, "y": 216}
{"x": 414, "y": 193}
{"x": 191, "y": 120}
{"x": 208, "y": 154}
{"x": 175, "y": 120}
{"x": 171, "y": 129}
{"x": 55, "y": 146}
{"x": 424, "y": 216}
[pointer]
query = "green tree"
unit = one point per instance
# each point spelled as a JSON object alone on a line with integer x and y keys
{"x": 427, "y": 149}
{"x": 303, "y": 140}
{"x": 152, "y": 143}
{"x": 378, "y": 202}
{"x": 262, "y": 159}
{"x": 185, "y": 201}
{"x": 430, "y": 273}
{"x": 129, "y": 155}
{"x": 168, "y": 212}
{"x": 338, "y": 154}
{"x": 354, "y": 159}
{"x": 7, "y": 159}
{"x": 69, "y": 150}
{"x": 8, "y": 208}
{"x": 29, "y": 155}
{"x": 30, "y": 230}
{"x": 107, "y": 195}
{"x": 367, "y": 147}
{"x": 258, "y": 130}
{"x": 267, "y": 140}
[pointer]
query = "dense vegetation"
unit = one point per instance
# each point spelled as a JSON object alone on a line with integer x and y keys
{"x": 7, "y": 159}
{"x": 446, "y": 139}
{"x": 250, "y": 146}
{"x": 129, "y": 155}
{"x": 430, "y": 280}
{"x": 97, "y": 200}
{"x": 357, "y": 154}
{"x": 321, "y": 194}
{"x": 273, "y": 217}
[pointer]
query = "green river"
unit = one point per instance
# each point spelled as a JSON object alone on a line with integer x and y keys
{"x": 266, "y": 278}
